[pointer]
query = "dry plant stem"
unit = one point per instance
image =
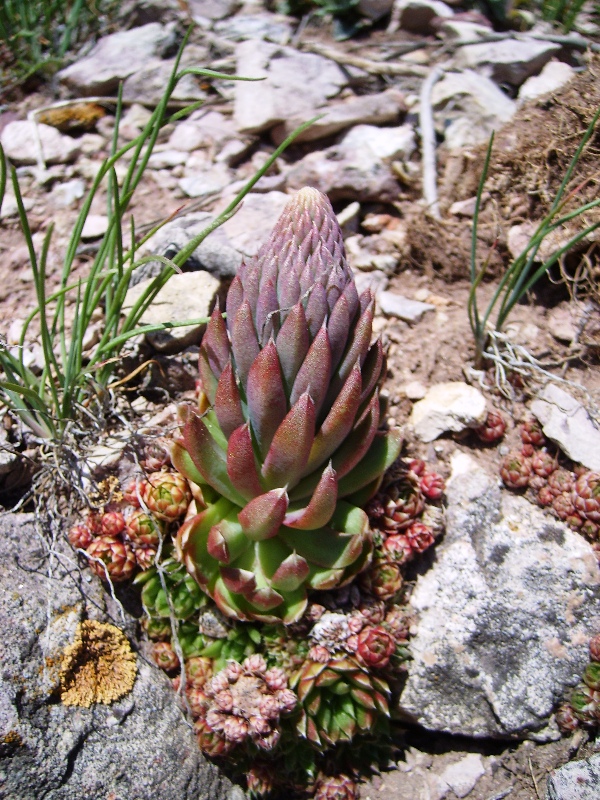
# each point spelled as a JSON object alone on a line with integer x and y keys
{"x": 374, "y": 67}
{"x": 428, "y": 143}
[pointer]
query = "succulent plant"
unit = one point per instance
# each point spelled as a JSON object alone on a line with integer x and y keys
{"x": 164, "y": 656}
{"x": 531, "y": 433}
{"x": 375, "y": 646}
{"x": 286, "y": 447}
{"x": 493, "y": 427}
{"x": 111, "y": 558}
{"x": 166, "y": 494}
{"x": 142, "y": 530}
{"x": 515, "y": 470}
{"x": 335, "y": 787}
{"x": 543, "y": 464}
{"x": 246, "y": 701}
{"x": 586, "y": 496}
{"x": 339, "y": 697}
{"x": 185, "y": 596}
{"x": 80, "y": 536}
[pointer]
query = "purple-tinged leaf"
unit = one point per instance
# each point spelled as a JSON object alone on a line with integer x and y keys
{"x": 265, "y": 599}
{"x": 244, "y": 344}
{"x": 291, "y": 573}
{"x": 339, "y": 422}
{"x": 357, "y": 444}
{"x": 214, "y": 353}
{"x": 372, "y": 369}
{"x": 292, "y": 344}
{"x": 338, "y": 327}
{"x": 384, "y": 450}
{"x": 209, "y": 458}
{"x": 267, "y": 403}
{"x": 263, "y": 516}
{"x": 266, "y": 308}
{"x": 291, "y": 444}
{"x": 241, "y": 464}
{"x": 357, "y": 348}
{"x": 315, "y": 373}
{"x": 227, "y": 603}
{"x": 226, "y": 540}
{"x": 316, "y": 309}
{"x": 321, "y": 506}
{"x": 227, "y": 403}
{"x": 238, "y": 581}
{"x": 323, "y": 579}
{"x": 235, "y": 298}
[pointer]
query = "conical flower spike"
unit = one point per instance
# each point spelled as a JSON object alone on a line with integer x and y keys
{"x": 292, "y": 379}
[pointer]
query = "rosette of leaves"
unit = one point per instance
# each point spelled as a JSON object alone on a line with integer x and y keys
{"x": 340, "y": 698}
{"x": 286, "y": 447}
{"x": 186, "y": 597}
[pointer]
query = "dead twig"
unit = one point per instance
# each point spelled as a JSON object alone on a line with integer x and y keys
{"x": 428, "y": 143}
{"x": 374, "y": 67}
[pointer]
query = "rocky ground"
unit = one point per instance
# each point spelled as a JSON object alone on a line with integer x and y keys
{"x": 506, "y": 604}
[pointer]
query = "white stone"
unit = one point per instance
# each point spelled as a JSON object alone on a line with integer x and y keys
{"x": 576, "y": 780}
{"x": 166, "y": 159}
{"x": 10, "y": 208}
{"x": 115, "y": 57}
{"x": 94, "y": 227}
{"x": 566, "y": 422}
{"x": 464, "y": 774}
{"x": 452, "y": 406}
{"x": 65, "y": 194}
{"x": 554, "y": 76}
{"x": 207, "y": 182}
{"x": 188, "y": 296}
{"x": 395, "y": 305}
{"x": 295, "y": 83}
{"x": 20, "y": 143}
{"x": 509, "y": 60}
{"x": 461, "y": 32}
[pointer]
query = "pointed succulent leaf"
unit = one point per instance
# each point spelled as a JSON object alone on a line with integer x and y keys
{"x": 384, "y": 450}
{"x": 322, "y": 504}
{"x": 315, "y": 372}
{"x": 322, "y": 579}
{"x": 265, "y": 599}
{"x": 227, "y": 403}
{"x": 324, "y": 547}
{"x": 266, "y": 312}
{"x": 235, "y": 297}
{"x": 238, "y": 581}
{"x": 208, "y": 458}
{"x": 182, "y": 461}
{"x": 244, "y": 343}
{"x": 214, "y": 352}
{"x": 267, "y": 404}
{"x": 339, "y": 421}
{"x": 262, "y": 517}
{"x": 372, "y": 370}
{"x": 292, "y": 344}
{"x": 291, "y": 573}
{"x": 226, "y": 540}
{"x": 316, "y": 309}
{"x": 338, "y": 326}
{"x": 241, "y": 464}
{"x": 358, "y": 345}
{"x": 288, "y": 453}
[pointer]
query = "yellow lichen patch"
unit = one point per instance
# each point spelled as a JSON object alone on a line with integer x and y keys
{"x": 98, "y": 667}
{"x": 72, "y": 117}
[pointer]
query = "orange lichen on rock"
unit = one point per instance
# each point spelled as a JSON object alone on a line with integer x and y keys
{"x": 98, "y": 667}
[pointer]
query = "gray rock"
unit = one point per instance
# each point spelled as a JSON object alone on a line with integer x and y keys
{"x": 20, "y": 143}
{"x": 508, "y": 61}
{"x": 468, "y": 107}
{"x": 269, "y": 27}
{"x": 138, "y": 747}
{"x": 65, "y": 194}
{"x": 206, "y": 182}
{"x": 183, "y": 297}
{"x": 94, "y": 227}
{"x": 147, "y": 84}
{"x": 10, "y": 208}
{"x": 504, "y": 615}
{"x": 461, "y": 32}
{"x": 452, "y": 406}
{"x": 202, "y": 129}
{"x": 359, "y": 167}
{"x": 295, "y": 84}
{"x": 374, "y": 9}
{"x": 566, "y": 422}
{"x": 553, "y": 77}
{"x": 395, "y": 305}
{"x": 371, "y": 109}
{"x": 116, "y": 57}
{"x": 212, "y": 9}
{"x": 417, "y": 15}
{"x": 577, "y": 780}
{"x": 252, "y": 224}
